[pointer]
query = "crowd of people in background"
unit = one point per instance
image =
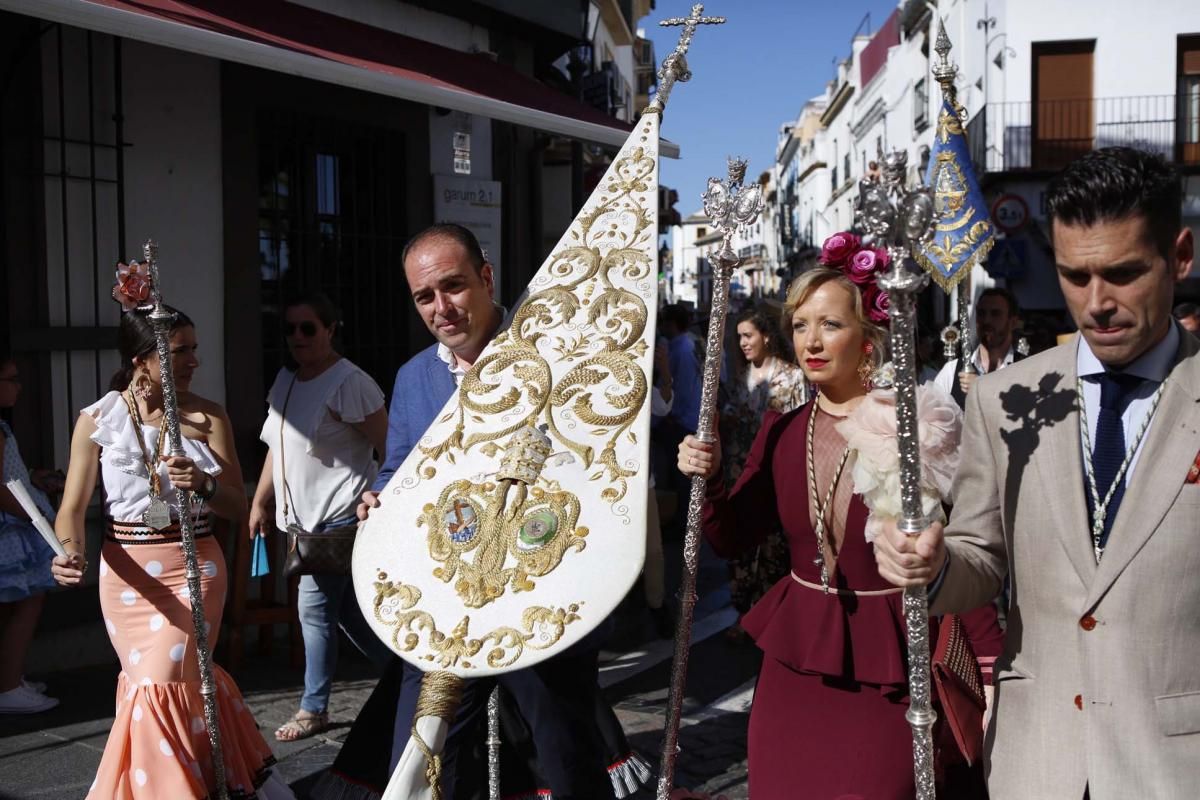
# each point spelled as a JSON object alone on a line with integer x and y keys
{"x": 815, "y": 568}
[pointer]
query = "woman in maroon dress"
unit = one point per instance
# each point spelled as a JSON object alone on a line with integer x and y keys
{"x": 827, "y": 721}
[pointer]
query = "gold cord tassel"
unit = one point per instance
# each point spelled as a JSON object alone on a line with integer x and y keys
{"x": 441, "y": 695}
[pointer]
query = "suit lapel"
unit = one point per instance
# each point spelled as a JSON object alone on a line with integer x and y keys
{"x": 1170, "y": 449}
{"x": 1062, "y": 473}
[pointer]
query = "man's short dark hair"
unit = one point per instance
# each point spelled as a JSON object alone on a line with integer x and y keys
{"x": 676, "y": 314}
{"x": 1115, "y": 183}
{"x": 450, "y": 231}
{"x": 1182, "y": 311}
{"x": 1009, "y": 298}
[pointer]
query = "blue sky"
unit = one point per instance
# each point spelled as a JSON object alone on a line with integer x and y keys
{"x": 749, "y": 76}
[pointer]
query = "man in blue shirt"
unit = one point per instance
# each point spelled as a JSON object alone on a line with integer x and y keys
{"x": 684, "y": 363}
{"x": 452, "y": 287}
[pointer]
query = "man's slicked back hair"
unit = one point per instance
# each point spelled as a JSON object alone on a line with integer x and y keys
{"x": 1115, "y": 183}
{"x": 448, "y": 231}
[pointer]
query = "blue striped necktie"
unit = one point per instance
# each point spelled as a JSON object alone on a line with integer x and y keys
{"x": 1108, "y": 446}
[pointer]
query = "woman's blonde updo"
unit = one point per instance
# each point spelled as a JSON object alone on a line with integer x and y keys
{"x": 808, "y": 282}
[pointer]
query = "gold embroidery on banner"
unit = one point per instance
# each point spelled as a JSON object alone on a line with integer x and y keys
{"x": 948, "y": 253}
{"x": 950, "y": 191}
{"x": 949, "y": 125}
{"x": 473, "y": 537}
{"x": 395, "y": 607}
{"x": 567, "y": 365}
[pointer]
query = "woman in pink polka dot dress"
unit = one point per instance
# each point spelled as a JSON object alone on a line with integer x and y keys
{"x": 158, "y": 746}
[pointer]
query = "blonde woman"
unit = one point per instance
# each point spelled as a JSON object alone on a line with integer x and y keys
{"x": 828, "y": 714}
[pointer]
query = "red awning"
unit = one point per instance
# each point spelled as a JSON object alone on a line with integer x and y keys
{"x": 874, "y": 55}
{"x": 286, "y": 37}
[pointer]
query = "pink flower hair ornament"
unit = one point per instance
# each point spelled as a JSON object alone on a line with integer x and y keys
{"x": 845, "y": 251}
{"x": 133, "y": 285}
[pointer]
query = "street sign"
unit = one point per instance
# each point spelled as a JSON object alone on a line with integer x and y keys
{"x": 476, "y": 205}
{"x": 1010, "y": 212}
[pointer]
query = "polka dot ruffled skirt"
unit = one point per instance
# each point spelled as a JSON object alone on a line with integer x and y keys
{"x": 158, "y": 746}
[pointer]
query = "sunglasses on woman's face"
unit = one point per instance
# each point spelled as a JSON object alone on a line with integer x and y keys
{"x": 307, "y": 328}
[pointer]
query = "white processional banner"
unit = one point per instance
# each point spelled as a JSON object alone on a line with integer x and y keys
{"x": 518, "y": 523}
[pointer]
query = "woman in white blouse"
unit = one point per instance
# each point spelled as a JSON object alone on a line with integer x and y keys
{"x": 326, "y": 421}
{"x": 156, "y": 746}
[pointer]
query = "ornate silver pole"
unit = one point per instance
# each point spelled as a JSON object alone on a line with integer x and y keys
{"x": 161, "y": 319}
{"x": 966, "y": 341}
{"x": 901, "y": 220}
{"x": 493, "y": 744}
{"x": 729, "y": 206}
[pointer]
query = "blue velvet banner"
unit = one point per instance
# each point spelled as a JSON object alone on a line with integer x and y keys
{"x": 965, "y": 233}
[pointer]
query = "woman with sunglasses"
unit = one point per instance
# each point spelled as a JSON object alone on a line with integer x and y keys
{"x": 158, "y": 747}
{"x": 326, "y": 420}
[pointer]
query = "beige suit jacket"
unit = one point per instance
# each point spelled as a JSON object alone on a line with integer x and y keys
{"x": 1099, "y": 683}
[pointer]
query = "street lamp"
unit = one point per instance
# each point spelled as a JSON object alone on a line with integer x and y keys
{"x": 986, "y": 24}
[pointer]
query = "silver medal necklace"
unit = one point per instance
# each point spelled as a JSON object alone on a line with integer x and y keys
{"x": 158, "y": 515}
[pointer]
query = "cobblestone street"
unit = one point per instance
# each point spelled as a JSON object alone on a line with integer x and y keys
{"x": 55, "y": 755}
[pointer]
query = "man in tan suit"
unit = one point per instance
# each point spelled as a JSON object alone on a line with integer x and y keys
{"x": 1098, "y": 690}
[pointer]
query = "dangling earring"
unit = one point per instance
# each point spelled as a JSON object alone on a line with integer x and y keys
{"x": 866, "y": 367}
{"x": 143, "y": 387}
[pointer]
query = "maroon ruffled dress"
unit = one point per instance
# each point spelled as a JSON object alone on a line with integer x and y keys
{"x": 827, "y": 721}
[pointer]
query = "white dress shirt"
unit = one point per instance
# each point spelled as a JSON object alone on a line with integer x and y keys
{"x": 1154, "y": 365}
{"x": 456, "y": 369}
{"x": 947, "y": 377}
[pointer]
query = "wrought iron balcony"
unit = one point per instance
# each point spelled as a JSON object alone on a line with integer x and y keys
{"x": 1047, "y": 134}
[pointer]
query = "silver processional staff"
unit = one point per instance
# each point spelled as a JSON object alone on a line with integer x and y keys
{"x": 161, "y": 319}
{"x": 730, "y": 206}
{"x": 901, "y": 220}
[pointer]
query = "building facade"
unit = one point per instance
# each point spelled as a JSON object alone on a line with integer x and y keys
{"x": 687, "y": 258}
{"x": 1041, "y": 83}
{"x": 283, "y": 146}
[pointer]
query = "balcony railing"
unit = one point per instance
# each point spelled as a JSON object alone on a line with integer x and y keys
{"x": 1046, "y": 135}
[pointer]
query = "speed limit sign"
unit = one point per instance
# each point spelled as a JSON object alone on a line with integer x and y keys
{"x": 1010, "y": 212}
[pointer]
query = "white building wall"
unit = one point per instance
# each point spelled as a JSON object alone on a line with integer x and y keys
{"x": 1135, "y": 56}
{"x": 1135, "y": 43}
{"x": 173, "y": 189}
{"x": 684, "y": 255}
{"x": 172, "y": 193}
{"x": 605, "y": 46}
{"x": 906, "y": 95}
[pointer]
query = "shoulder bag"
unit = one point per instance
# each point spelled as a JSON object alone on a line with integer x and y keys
{"x": 320, "y": 552}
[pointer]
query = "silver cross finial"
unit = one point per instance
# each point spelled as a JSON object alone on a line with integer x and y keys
{"x": 674, "y": 67}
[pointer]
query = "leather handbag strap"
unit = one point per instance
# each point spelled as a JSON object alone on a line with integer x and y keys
{"x": 287, "y": 492}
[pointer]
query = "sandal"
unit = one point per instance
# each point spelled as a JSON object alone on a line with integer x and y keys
{"x": 302, "y": 725}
